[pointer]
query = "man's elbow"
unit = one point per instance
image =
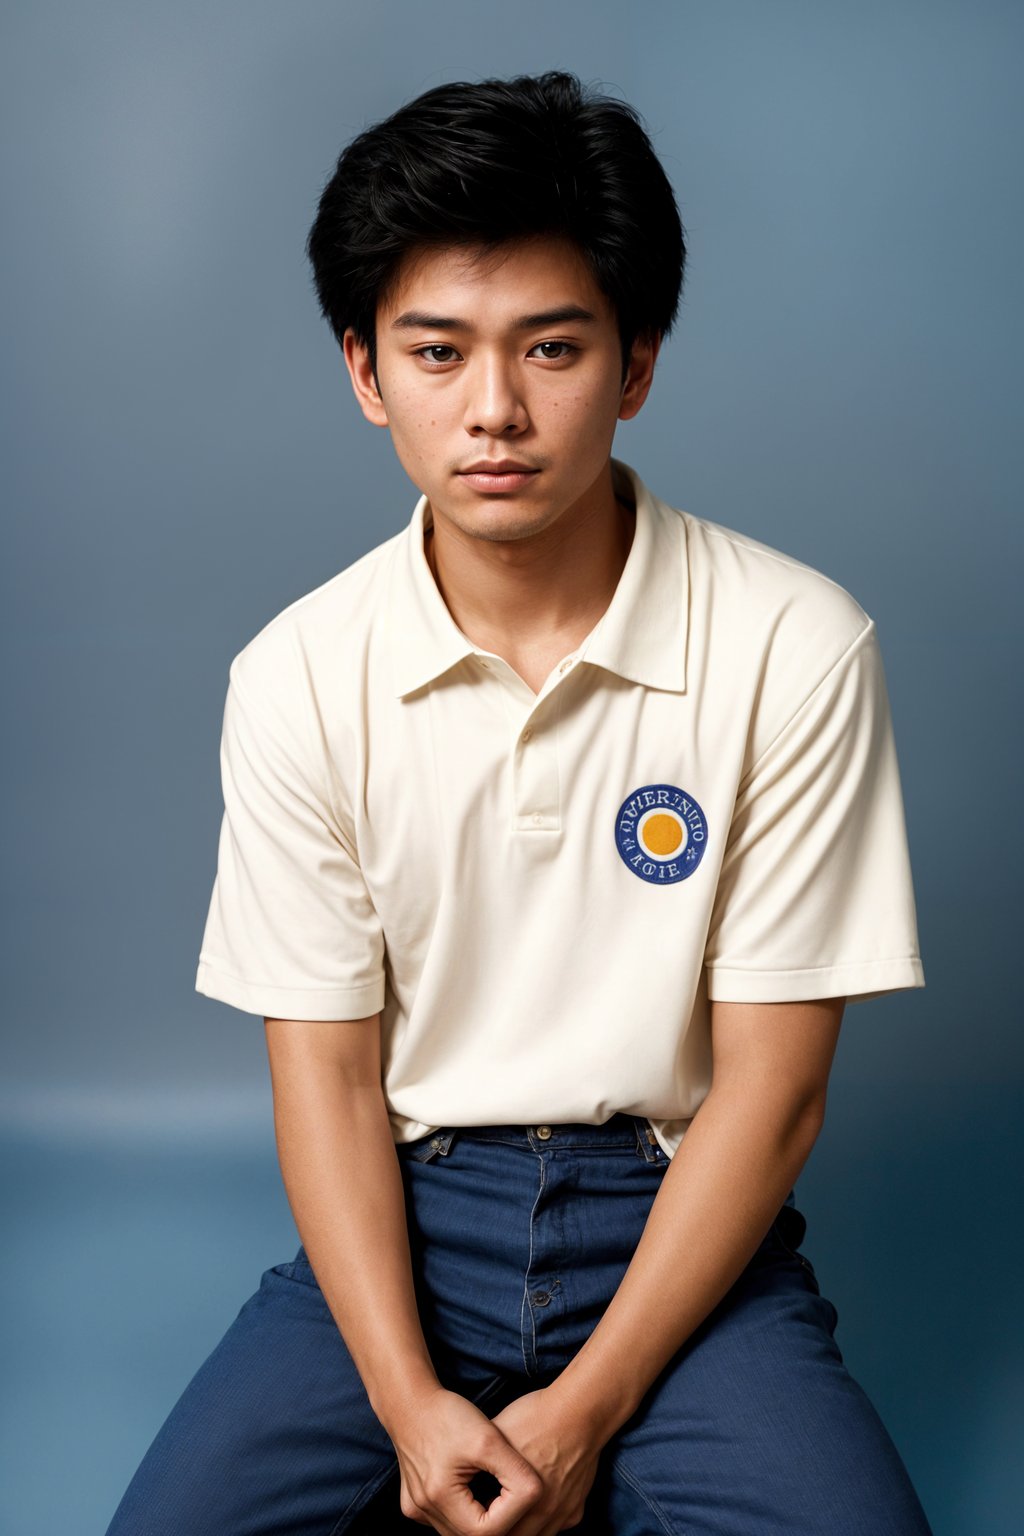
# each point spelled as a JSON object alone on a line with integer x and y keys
{"x": 810, "y": 1117}
{"x": 792, "y": 1119}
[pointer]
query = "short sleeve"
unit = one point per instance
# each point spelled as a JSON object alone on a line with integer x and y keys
{"x": 291, "y": 931}
{"x": 815, "y": 897}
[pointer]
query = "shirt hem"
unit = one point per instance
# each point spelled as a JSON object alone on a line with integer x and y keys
{"x": 858, "y": 982}
{"x": 290, "y": 1002}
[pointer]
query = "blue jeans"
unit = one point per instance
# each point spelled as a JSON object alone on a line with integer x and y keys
{"x": 519, "y": 1240}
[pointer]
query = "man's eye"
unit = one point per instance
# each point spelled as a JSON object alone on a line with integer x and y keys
{"x": 567, "y": 345}
{"x": 436, "y": 347}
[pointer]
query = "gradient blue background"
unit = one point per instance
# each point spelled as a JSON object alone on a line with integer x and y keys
{"x": 182, "y": 457}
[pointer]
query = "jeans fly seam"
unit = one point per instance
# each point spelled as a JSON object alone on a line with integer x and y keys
{"x": 526, "y": 1310}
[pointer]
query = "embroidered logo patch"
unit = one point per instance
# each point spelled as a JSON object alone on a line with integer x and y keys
{"x": 661, "y": 833}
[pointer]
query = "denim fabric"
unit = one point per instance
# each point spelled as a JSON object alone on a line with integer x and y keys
{"x": 520, "y": 1236}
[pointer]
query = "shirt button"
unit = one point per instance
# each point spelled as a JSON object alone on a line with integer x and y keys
{"x": 565, "y": 666}
{"x": 544, "y": 1132}
{"x": 527, "y": 734}
{"x": 537, "y": 818}
{"x": 482, "y": 662}
{"x": 541, "y": 1298}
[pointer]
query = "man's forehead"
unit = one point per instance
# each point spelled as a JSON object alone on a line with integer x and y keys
{"x": 550, "y": 268}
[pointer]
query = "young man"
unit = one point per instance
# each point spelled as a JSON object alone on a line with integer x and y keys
{"x": 558, "y": 830}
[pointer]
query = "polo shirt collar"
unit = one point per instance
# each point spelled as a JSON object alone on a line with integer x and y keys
{"x": 641, "y": 636}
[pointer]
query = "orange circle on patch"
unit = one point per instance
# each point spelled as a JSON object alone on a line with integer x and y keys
{"x": 661, "y": 834}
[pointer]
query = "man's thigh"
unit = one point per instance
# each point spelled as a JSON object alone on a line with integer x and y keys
{"x": 757, "y": 1428}
{"x": 273, "y": 1433}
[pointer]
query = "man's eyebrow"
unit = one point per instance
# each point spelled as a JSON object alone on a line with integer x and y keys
{"x": 563, "y": 315}
{"x": 414, "y": 319}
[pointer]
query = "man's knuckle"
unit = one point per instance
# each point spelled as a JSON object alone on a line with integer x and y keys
{"x": 433, "y": 1492}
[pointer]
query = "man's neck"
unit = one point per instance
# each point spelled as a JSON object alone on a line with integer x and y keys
{"x": 530, "y": 598}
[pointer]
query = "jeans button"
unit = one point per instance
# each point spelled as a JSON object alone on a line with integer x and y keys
{"x": 544, "y": 1132}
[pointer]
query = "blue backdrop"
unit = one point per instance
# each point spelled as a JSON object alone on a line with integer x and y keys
{"x": 183, "y": 457}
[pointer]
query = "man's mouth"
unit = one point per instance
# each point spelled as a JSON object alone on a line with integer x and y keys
{"x": 498, "y": 475}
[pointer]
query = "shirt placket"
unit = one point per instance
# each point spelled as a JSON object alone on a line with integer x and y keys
{"x": 536, "y": 798}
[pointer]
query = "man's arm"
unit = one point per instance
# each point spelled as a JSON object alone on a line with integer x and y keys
{"x": 338, "y": 1162}
{"x": 344, "y": 1185}
{"x": 737, "y": 1162}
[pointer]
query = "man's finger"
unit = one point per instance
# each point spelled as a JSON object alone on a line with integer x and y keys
{"x": 520, "y": 1486}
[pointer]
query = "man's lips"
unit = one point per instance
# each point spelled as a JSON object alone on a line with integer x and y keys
{"x": 505, "y": 475}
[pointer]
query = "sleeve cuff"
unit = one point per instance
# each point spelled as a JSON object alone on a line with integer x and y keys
{"x": 856, "y": 981}
{"x": 290, "y": 1002}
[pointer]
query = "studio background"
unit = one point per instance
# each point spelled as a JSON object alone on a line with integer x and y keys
{"x": 182, "y": 457}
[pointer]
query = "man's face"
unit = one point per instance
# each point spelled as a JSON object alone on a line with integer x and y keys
{"x": 479, "y": 360}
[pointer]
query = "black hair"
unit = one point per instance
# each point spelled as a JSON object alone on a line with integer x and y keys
{"x": 489, "y": 163}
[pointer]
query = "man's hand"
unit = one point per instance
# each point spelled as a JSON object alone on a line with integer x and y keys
{"x": 562, "y": 1451}
{"x": 442, "y": 1445}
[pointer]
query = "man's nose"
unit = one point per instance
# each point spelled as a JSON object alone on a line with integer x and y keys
{"x": 495, "y": 401}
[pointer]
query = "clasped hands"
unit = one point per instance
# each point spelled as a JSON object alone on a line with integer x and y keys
{"x": 541, "y": 1450}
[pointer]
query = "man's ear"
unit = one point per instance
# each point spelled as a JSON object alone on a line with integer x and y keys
{"x": 357, "y": 361}
{"x": 639, "y": 376}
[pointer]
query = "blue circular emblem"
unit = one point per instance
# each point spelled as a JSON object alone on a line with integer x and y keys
{"x": 661, "y": 833}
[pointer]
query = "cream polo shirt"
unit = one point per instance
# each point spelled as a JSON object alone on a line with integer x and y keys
{"x": 541, "y": 893}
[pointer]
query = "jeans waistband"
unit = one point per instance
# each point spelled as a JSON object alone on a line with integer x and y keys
{"x": 621, "y": 1130}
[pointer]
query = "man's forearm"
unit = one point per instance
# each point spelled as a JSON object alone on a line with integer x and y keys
{"x": 736, "y": 1164}
{"x": 344, "y": 1186}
